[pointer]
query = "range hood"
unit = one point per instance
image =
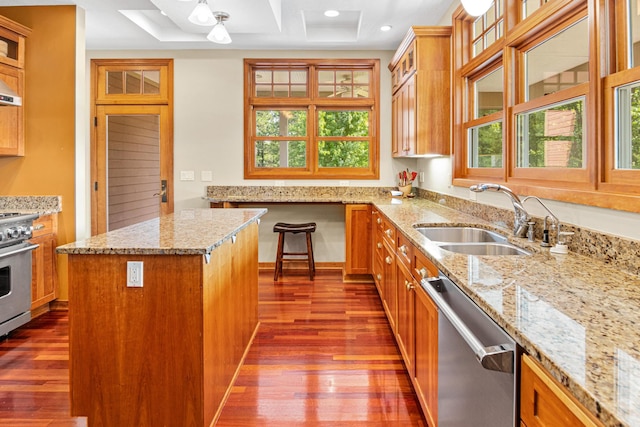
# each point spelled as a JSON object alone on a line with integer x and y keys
{"x": 8, "y": 96}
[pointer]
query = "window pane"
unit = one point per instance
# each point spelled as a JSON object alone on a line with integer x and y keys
{"x": 634, "y": 33}
{"x": 280, "y": 154}
{"x": 361, "y": 77}
{"x": 485, "y": 145}
{"x": 628, "y": 127}
{"x": 488, "y": 93}
{"x": 558, "y": 63}
{"x": 279, "y": 83}
{"x": 281, "y": 123}
{"x": 343, "y": 123}
{"x": 551, "y": 137}
{"x": 343, "y": 154}
{"x": 326, "y": 77}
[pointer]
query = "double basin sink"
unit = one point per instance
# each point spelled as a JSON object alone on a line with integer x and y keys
{"x": 469, "y": 240}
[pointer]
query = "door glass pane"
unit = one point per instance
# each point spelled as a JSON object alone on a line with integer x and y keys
{"x": 151, "y": 82}
{"x": 552, "y": 136}
{"x": 280, "y": 154}
{"x": 627, "y": 138}
{"x": 115, "y": 84}
{"x": 133, "y": 169}
{"x": 485, "y": 145}
{"x": 558, "y": 63}
{"x": 133, "y": 81}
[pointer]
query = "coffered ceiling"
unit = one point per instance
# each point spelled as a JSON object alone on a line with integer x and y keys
{"x": 253, "y": 24}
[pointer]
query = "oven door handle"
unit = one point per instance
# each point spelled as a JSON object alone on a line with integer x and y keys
{"x": 496, "y": 357}
{"x": 18, "y": 250}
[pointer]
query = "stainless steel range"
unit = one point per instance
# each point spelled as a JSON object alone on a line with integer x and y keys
{"x": 15, "y": 270}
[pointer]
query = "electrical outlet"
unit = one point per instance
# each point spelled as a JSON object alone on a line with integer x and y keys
{"x": 421, "y": 177}
{"x": 134, "y": 274}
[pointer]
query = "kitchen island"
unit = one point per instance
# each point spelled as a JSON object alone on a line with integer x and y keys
{"x": 160, "y": 342}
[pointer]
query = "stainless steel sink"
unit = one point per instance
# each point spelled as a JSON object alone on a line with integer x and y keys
{"x": 459, "y": 234}
{"x": 470, "y": 240}
{"x": 484, "y": 249}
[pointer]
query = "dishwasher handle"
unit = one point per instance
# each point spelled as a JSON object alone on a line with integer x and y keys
{"x": 496, "y": 357}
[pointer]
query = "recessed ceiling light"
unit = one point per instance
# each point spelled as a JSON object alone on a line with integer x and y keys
{"x": 331, "y": 13}
{"x": 385, "y": 28}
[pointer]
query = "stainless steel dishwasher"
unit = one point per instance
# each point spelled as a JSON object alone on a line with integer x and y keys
{"x": 477, "y": 362}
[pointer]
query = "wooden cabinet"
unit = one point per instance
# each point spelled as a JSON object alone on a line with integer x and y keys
{"x": 421, "y": 93}
{"x": 13, "y": 36}
{"x": 405, "y": 325}
{"x": 358, "y": 240}
{"x": 425, "y": 378}
{"x": 44, "y": 276}
{"x": 384, "y": 263}
{"x": 546, "y": 402}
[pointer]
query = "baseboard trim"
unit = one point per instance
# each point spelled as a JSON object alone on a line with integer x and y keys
{"x": 59, "y": 305}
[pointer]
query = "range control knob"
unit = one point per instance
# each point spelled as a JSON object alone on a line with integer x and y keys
{"x": 12, "y": 233}
{"x": 27, "y": 231}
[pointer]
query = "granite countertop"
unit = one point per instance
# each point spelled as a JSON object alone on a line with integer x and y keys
{"x": 188, "y": 232}
{"x": 42, "y": 205}
{"x": 576, "y": 315}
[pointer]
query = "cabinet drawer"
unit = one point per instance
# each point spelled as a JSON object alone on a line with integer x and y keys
{"x": 44, "y": 225}
{"x": 405, "y": 251}
{"x": 389, "y": 233}
{"x": 422, "y": 267}
{"x": 377, "y": 243}
{"x": 545, "y": 402}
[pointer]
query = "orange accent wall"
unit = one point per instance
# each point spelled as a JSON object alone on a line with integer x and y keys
{"x": 48, "y": 167}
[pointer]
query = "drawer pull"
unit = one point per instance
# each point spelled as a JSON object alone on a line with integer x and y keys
{"x": 379, "y": 245}
{"x": 38, "y": 227}
{"x": 388, "y": 233}
{"x": 379, "y": 277}
{"x": 388, "y": 260}
{"x": 379, "y": 220}
{"x": 403, "y": 249}
{"x": 423, "y": 273}
{"x": 408, "y": 285}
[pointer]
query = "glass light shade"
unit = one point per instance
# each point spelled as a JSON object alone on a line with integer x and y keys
{"x": 202, "y": 15}
{"x": 219, "y": 34}
{"x": 476, "y": 7}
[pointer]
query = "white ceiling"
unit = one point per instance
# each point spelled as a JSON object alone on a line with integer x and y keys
{"x": 254, "y": 24}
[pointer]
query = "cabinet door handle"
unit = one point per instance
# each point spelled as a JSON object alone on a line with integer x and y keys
{"x": 388, "y": 260}
{"x": 403, "y": 249}
{"x": 379, "y": 276}
{"x": 388, "y": 233}
{"x": 423, "y": 272}
{"x": 408, "y": 285}
{"x": 379, "y": 220}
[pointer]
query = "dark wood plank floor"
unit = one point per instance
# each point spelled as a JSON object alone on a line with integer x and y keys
{"x": 324, "y": 356}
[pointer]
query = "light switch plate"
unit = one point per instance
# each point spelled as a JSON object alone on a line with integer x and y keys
{"x": 187, "y": 175}
{"x": 206, "y": 176}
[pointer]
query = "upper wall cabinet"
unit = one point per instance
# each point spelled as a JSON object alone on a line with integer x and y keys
{"x": 420, "y": 77}
{"x": 12, "y": 48}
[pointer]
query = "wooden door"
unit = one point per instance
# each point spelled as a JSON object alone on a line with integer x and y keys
{"x": 358, "y": 239}
{"x": 133, "y": 165}
{"x": 131, "y": 142}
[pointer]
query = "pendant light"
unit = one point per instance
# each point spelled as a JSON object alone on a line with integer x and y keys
{"x": 202, "y": 15}
{"x": 476, "y": 7}
{"x": 219, "y": 33}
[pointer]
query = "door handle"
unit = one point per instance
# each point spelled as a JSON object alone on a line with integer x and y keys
{"x": 163, "y": 191}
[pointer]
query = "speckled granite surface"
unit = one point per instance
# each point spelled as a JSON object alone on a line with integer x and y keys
{"x": 289, "y": 194}
{"x": 578, "y": 315}
{"x": 31, "y": 204}
{"x": 189, "y": 232}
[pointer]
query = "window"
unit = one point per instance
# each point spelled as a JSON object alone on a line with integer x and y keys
{"x": 488, "y": 28}
{"x": 311, "y": 119}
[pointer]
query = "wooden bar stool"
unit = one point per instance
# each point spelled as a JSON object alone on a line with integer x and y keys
{"x": 283, "y": 229}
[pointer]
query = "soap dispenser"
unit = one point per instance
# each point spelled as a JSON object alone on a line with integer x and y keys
{"x": 561, "y": 245}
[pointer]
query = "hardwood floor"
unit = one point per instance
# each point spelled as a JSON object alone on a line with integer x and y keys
{"x": 323, "y": 356}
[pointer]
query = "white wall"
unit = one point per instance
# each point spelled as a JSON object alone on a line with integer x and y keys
{"x": 209, "y": 136}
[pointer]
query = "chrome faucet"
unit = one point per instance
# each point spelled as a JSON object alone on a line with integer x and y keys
{"x": 521, "y": 218}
